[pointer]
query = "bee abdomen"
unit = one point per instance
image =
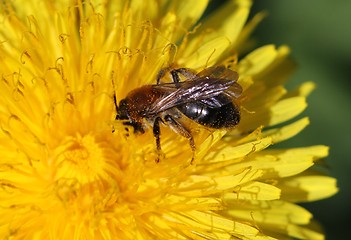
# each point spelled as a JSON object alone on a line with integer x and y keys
{"x": 226, "y": 116}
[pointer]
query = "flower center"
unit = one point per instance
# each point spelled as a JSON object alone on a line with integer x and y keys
{"x": 82, "y": 158}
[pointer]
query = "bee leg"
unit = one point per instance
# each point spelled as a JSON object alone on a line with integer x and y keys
{"x": 180, "y": 129}
{"x": 186, "y": 72}
{"x": 157, "y": 133}
{"x": 175, "y": 78}
{"x": 138, "y": 128}
{"x": 161, "y": 74}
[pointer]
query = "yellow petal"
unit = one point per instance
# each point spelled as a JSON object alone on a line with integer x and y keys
{"x": 243, "y": 43}
{"x": 303, "y": 90}
{"x": 226, "y": 152}
{"x": 173, "y": 27}
{"x": 286, "y": 109}
{"x": 279, "y": 112}
{"x": 143, "y": 10}
{"x": 211, "y": 185}
{"x": 176, "y": 203}
{"x": 253, "y": 191}
{"x": 263, "y": 97}
{"x": 190, "y": 11}
{"x": 234, "y": 14}
{"x": 303, "y": 233}
{"x": 280, "y": 217}
{"x": 280, "y": 163}
{"x": 205, "y": 55}
{"x": 279, "y": 71}
{"x": 289, "y": 162}
{"x": 276, "y": 212}
{"x": 227, "y": 21}
{"x": 209, "y": 142}
{"x": 257, "y": 61}
{"x": 287, "y": 131}
{"x": 307, "y": 188}
{"x": 214, "y": 223}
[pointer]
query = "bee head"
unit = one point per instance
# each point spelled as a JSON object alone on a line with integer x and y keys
{"x": 122, "y": 110}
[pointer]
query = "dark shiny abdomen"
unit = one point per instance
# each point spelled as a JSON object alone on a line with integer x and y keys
{"x": 226, "y": 116}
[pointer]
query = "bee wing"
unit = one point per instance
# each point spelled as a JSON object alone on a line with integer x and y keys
{"x": 201, "y": 88}
{"x": 234, "y": 91}
{"x": 220, "y": 72}
{"x": 214, "y": 102}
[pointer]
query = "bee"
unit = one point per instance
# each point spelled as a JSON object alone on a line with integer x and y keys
{"x": 208, "y": 98}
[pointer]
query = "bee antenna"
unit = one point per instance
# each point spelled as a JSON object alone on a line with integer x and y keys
{"x": 114, "y": 93}
{"x": 115, "y": 102}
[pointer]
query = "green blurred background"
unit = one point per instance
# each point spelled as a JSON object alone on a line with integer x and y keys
{"x": 319, "y": 35}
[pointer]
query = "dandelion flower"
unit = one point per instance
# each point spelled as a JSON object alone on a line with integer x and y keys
{"x": 69, "y": 171}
